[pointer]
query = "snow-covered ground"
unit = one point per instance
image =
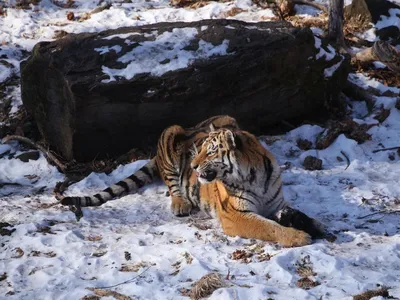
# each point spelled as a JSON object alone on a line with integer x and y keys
{"x": 136, "y": 241}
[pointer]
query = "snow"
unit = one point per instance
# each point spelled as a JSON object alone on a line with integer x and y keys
{"x": 328, "y": 72}
{"x": 4, "y": 73}
{"x": 365, "y": 82}
{"x": 62, "y": 257}
{"x": 105, "y": 49}
{"x": 328, "y": 53}
{"x": 170, "y": 54}
{"x": 392, "y": 20}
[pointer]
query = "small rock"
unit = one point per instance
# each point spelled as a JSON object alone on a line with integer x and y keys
{"x": 70, "y": 16}
{"x": 382, "y": 115}
{"x": 4, "y": 231}
{"x": 26, "y": 156}
{"x": 398, "y": 104}
{"x": 304, "y": 144}
{"x": 312, "y": 163}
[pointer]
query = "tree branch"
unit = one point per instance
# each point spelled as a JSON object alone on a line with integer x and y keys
{"x": 47, "y": 153}
{"x": 383, "y": 52}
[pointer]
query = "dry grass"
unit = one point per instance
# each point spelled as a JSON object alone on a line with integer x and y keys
{"x": 109, "y": 293}
{"x": 94, "y": 238}
{"x": 307, "y": 22}
{"x": 306, "y": 283}
{"x": 133, "y": 267}
{"x": 382, "y": 291}
{"x": 304, "y": 268}
{"x": 206, "y": 286}
{"x": 242, "y": 255}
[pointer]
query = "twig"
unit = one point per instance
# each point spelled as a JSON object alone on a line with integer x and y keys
{"x": 381, "y": 212}
{"x": 69, "y": 4}
{"x": 50, "y": 157}
{"x": 127, "y": 281}
{"x": 284, "y": 122}
{"x": 313, "y": 4}
{"x": 347, "y": 159}
{"x": 386, "y": 149}
{"x": 101, "y": 8}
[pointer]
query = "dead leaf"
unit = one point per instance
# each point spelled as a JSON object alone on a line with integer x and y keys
{"x": 94, "y": 238}
{"x": 19, "y": 253}
{"x": 188, "y": 258}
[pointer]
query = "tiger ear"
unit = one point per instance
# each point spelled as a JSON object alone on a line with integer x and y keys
{"x": 212, "y": 128}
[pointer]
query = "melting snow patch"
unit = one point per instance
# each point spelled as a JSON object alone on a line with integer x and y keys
{"x": 328, "y": 72}
{"x": 107, "y": 49}
{"x": 365, "y": 82}
{"x": 121, "y": 36}
{"x": 330, "y": 54}
{"x": 392, "y": 20}
{"x": 165, "y": 54}
{"x": 4, "y": 73}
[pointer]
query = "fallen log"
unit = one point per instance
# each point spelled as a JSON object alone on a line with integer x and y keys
{"x": 96, "y": 95}
{"x": 381, "y": 51}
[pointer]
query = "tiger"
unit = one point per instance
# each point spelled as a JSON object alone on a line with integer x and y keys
{"x": 228, "y": 174}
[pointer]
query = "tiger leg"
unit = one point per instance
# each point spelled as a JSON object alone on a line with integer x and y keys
{"x": 252, "y": 225}
{"x": 291, "y": 217}
{"x": 171, "y": 163}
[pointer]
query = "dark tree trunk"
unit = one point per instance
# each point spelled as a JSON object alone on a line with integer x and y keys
{"x": 335, "y": 22}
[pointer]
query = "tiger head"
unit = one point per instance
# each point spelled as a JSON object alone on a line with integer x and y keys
{"x": 216, "y": 159}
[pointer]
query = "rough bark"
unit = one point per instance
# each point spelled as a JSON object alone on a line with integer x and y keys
{"x": 365, "y": 12}
{"x": 270, "y": 73}
{"x": 335, "y": 22}
{"x": 381, "y": 51}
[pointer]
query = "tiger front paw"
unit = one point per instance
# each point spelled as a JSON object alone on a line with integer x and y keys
{"x": 295, "y": 238}
{"x": 179, "y": 207}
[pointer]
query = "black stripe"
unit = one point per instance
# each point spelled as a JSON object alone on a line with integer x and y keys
{"x": 173, "y": 191}
{"x": 136, "y": 180}
{"x": 146, "y": 171}
{"x": 88, "y": 201}
{"x": 277, "y": 178}
{"x": 230, "y": 171}
{"x": 173, "y": 177}
{"x": 275, "y": 195}
{"x": 193, "y": 134}
{"x": 124, "y": 185}
{"x": 178, "y": 139}
{"x": 268, "y": 170}
{"x": 98, "y": 196}
{"x": 252, "y": 175}
{"x": 240, "y": 210}
{"x": 245, "y": 199}
{"x": 110, "y": 191}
